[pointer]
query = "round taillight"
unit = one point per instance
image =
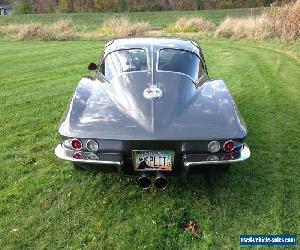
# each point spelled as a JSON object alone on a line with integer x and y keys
{"x": 76, "y": 144}
{"x": 213, "y": 147}
{"x": 77, "y": 155}
{"x": 229, "y": 146}
{"x": 92, "y": 145}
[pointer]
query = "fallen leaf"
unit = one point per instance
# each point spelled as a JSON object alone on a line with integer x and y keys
{"x": 193, "y": 228}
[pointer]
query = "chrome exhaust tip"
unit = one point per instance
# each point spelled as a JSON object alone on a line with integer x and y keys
{"x": 161, "y": 182}
{"x": 144, "y": 182}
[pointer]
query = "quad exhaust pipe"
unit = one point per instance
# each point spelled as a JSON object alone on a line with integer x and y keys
{"x": 144, "y": 182}
{"x": 160, "y": 182}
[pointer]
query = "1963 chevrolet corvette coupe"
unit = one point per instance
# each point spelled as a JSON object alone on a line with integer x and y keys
{"x": 151, "y": 109}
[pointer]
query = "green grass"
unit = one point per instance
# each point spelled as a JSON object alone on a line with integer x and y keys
{"x": 157, "y": 19}
{"x": 45, "y": 203}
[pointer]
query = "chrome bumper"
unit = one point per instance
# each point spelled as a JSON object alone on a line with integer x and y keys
{"x": 105, "y": 159}
{"x": 207, "y": 159}
{"x": 189, "y": 160}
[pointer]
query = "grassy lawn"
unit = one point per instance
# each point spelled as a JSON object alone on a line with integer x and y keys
{"x": 157, "y": 19}
{"x": 45, "y": 203}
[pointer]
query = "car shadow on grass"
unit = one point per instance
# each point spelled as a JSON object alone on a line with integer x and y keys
{"x": 205, "y": 178}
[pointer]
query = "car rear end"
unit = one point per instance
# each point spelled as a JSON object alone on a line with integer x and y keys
{"x": 151, "y": 156}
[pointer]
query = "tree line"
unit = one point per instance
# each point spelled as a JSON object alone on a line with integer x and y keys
{"x": 42, "y": 6}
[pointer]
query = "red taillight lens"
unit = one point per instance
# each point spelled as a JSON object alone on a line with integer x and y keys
{"x": 77, "y": 155}
{"x": 229, "y": 146}
{"x": 76, "y": 144}
{"x": 228, "y": 157}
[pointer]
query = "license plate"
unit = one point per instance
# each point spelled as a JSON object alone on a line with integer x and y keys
{"x": 152, "y": 160}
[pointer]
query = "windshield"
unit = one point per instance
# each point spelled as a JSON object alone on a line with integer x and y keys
{"x": 122, "y": 61}
{"x": 181, "y": 61}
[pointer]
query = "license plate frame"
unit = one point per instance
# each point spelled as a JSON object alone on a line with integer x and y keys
{"x": 162, "y": 160}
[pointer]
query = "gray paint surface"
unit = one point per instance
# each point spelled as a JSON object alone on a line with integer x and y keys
{"x": 186, "y": 111}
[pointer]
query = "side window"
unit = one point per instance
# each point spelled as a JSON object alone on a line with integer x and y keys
{"x": 182, "y": 61}
{"x": 123, "y": 61}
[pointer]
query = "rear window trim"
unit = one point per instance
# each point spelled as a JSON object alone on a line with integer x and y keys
{"x": 121, "y": 49}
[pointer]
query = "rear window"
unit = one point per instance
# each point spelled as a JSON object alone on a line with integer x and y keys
{"x": 122, "y": 61}
{"x": 181, "y": 61}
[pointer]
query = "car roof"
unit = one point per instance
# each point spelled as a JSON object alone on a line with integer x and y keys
{"x": 151, "y": 43}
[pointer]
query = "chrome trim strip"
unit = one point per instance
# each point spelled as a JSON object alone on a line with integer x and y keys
{"x": 59, "y": 152}
{"x": 245, "y": 154}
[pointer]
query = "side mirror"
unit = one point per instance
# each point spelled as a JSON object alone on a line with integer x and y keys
{"x": 92, "y": 66}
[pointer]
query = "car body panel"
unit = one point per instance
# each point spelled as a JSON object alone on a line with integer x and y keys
{"x": 197, "y": 113}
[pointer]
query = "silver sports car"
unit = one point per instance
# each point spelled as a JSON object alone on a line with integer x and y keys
{"x": 151, "y": 109}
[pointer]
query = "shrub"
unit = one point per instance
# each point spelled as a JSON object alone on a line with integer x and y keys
{"x": 151, "y": 7}
{"x": 121, "y": 5}
{"x": 2, "y": 34}
{"x": 23, "y": 7}
{"x": 31, "y": 31}
{"x": 122, "y": 27}
{"x": 21, "y": 31}
{"x": 60, "y": 30}
{"x": 195, "y": 24}
{"x": 285, "y": 20}
{"x": 104, "y": 5}
{"x": 250, "y": 27}
{"x": 11, "y": 29}
{"x": 184, "y": 5}
{"x": 279, "y": 21}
